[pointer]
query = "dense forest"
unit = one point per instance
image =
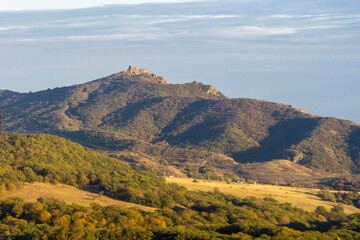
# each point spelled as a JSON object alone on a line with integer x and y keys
{"x": 209, "y": 215}
{"x": 50, "y": 159}
{"x": 181, "y": 214}
{"x": 349, "y": 198}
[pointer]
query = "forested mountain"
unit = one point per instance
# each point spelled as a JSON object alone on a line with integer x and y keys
{"x": 181, "y": 214}
{"x": 191, "y": 128}
{"x": 141, "y": 112}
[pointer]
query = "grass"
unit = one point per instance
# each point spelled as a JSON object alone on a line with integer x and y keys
{"x": 69, "y": 194}
{"x": 284, "y": 172}
{"x": 305, "y": 198}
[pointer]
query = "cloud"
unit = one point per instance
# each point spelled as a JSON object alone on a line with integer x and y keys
{"x": 319, "y": 27}
{"x": 4, "y": 28}
{"x": 195, "y": 25}
{"x": 183, "y": 18}
{"x": 5, "y": 6}
{"x": 7, "y": 28}
{"x": 281, "y": 16}
{"x": 254, "y": 31}
{"x": 133, "y": 37}
{"x": 21, "y": 5}
{"x": 298, "y": 16}
{"x": 104, "y": 37}
{"x": 248, "y": 31}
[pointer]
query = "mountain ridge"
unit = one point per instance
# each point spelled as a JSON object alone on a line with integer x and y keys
{"x": 139, "y": 108}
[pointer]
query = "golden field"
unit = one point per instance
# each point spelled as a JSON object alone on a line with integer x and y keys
{"x": 69, "y": 194}
{"x": 305, "y": 198}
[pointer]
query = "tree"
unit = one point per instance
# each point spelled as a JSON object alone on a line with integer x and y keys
{"x": 30, "y": 174}
{"x": 166, "y": 201}
{"x": 83, "y": 181}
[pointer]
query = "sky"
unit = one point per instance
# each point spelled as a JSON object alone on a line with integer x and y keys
{"x": 70, "y": 4}
{"x": 303, "y": 53}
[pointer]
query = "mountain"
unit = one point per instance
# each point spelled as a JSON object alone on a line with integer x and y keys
{"x": 188, "y": 126}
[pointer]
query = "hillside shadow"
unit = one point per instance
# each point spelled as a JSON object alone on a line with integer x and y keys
{"x": 354, "y": 147}
{"x": 281, "y": 137}
{"x": 130, "y": 111}
{"x": 196, "y": 123}
{"x": 199, "y": 132}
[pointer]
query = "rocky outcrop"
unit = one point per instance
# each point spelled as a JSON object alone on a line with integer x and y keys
{"x": 137, "y": 71}
{"x": 213, "y": 91}
{"x": 210, "y": 90}
{"x": 144, "y": 75}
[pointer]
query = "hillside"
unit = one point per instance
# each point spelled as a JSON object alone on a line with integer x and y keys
{"x": 28, "y": 158}
{"x": 69, "y": 194}
{"x": 140, "y": 112}
{"x": 43, "y": 160}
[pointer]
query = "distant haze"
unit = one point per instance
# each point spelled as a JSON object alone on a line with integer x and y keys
{"x": 303, "y": 53}
{"x": 15, "y": 5}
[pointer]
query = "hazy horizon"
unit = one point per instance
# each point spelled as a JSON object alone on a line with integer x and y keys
{"x": 304, "y": 54}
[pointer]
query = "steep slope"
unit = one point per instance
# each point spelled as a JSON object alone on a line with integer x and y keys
{"x": 139, "y": 111}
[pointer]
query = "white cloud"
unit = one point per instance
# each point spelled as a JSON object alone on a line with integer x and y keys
{"x": 281, "y": 16}
{"x": 4, "y": 28}
{"x": 4, "y": 6}
{"x": 319, "y": 27}
{"x": 316, "y": 17}
{"x": 253, "y": 31}
{"x": 248, "y": 31}
{"x": 111, "y": 37}
{"x": 72, "y": 4}
{"x": 104, "y": 37}
{"x": 211, "y": 16}
{"x": 182, "y": 18}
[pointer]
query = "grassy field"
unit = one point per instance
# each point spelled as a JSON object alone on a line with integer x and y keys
{"x": 284, "y": 172}
{"x": 69, "y": 194}
{"x": 301, "y": 197}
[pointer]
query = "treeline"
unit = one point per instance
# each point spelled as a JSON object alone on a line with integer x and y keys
{"x": 349, "y": 198}
{"x": 348, "y": 183}
{"x": 209, "y": 216}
